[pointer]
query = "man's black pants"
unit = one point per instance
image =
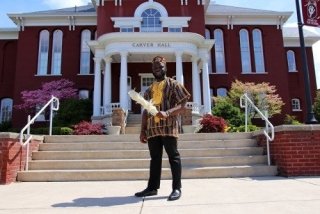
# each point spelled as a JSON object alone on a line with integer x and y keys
{"x": 156, "y": 145}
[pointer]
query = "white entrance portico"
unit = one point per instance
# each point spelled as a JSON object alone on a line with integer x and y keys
{"x": 139, "y": 47}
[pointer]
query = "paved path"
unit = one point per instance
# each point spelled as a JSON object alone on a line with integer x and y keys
{"x": 299, "y": 195}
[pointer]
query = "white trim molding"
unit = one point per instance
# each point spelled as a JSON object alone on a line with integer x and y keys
{"x": 151, "y": 5}
{"x": 175, "y": 21}
{"x": 126, "y": 21}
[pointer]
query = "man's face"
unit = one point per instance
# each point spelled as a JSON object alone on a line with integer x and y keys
{"x": 158, "y": 70}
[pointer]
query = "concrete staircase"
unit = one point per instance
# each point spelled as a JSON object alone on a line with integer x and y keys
{"x": 95, "y": 158}
{"x": 133, "y": 124}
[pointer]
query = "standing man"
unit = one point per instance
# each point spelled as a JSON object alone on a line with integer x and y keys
{"x": 161, "y": 130}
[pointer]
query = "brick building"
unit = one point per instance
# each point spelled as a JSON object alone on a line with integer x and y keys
{"x": 106, "y": 48}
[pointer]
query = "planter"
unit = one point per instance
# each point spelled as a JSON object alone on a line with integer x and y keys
{"x": 113, "y": 130}
{"x": 189, "y": 128}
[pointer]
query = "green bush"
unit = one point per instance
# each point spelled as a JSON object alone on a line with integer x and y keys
{"x": 73, "y": 111}
{"x": 316, "y": 106}
{"x": 291, "y": 120}
{"x": 225, "y": 109}
{"x": 242, "y": 128}
{"x": 5, "y": 126}
{"x": 55, "y": 131}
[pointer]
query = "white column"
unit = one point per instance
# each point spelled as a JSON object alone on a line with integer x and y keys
{"x": 123, "y": 81}
{"x": 196, "y": 90}
{"x": 107, "y": 83}
{"x": 179, "y": 71}
{"x": 97, "y": 87}
{"x": 206, "y": 85}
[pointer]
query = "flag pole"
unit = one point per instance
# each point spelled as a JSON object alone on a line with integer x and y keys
{"x": 310, "y": 114}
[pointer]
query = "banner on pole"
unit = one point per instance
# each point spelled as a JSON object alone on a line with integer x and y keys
{"x": 311, "y": 12}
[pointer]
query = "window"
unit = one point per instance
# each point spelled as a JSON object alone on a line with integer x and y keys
{"x": 295, "y": 103}
{"x": 83, "y": 94}
{"x": 126, "y": 29}
{"x": 85, "y": 52}
{"x": 258, "y": 51}
{"x": 219, "y": 51}
{"x": 56, "y": 52}
{"x": 6, "y": 110}
{"x": 151, "y": 21}
{"x": 291, "y": 59}
{"x": 43, "y": 53}
{"x": 222, "y": 92}
{"x": 208, "y": 36}
{"x": 175, "y": 29}
{"x": 245, "y": 51}
{"x": 42, "y": 116}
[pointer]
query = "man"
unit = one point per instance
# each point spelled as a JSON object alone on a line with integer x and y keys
{"x": 161, "y": 130}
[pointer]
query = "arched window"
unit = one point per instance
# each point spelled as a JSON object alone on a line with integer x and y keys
{"x": 85, "y": 52}
{"x": 219, "y": 51}
{"x": 245, "y": 51}
{"x": 208, "y": 36}
{"x": 56, "y": 52}
{"x": 258, "y": 51}
{"x": 295, "y": 103}
{"x": 151, "y": 21}
{"x": 291, "y": 59}
{"x": 222, "y": 92}
{"x": 6, "y": 110}
{"x": 43, "y": 53}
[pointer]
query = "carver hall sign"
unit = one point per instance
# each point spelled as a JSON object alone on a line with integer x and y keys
{"x": 311, "y": 12}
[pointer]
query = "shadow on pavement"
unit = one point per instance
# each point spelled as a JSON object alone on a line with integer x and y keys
{"x": 100, "y": 202}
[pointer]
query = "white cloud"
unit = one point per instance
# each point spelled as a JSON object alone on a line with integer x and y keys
{"x": 65, "y": 3}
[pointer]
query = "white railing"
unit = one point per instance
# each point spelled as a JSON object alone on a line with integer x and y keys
{"x": 109, "y": 108}
{"x": 196, "y": 108}
{"x": 54, "y": 106}
{"x": 269, "y": 128}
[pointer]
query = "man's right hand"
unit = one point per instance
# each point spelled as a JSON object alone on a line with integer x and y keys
{"x": 143, "y": 137}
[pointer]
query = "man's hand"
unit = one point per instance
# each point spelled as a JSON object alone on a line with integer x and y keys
{"x": 143, "y": 137}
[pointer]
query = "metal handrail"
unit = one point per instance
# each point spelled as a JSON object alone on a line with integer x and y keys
{"x": 268, "y": 125}
{"x": 54, "y": 106}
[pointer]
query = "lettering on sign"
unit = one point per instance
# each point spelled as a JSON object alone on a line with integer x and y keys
{"x": 151, "y": 45}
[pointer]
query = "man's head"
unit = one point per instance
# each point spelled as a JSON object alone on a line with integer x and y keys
{"x": 159, "y": 67}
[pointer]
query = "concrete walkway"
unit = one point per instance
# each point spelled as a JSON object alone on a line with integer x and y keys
{"x": 226, "y": 195}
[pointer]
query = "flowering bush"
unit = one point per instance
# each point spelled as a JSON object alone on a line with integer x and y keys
{"x": 210, "y": 123}
{"x": 87, "y": 128}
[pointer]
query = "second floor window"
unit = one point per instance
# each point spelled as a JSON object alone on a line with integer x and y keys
{"x": 56, "y": 53}
{"x": 295, "y": 103}
{"x": 258, "y": 51}
{"x": 85, "y": 52}
{"x": 245, "y": 51}
{"x": 151, "y": 21}
{"x": 219, "y": 51}
{"x": 43, "y": 53}
{"x": 291, "y": 59}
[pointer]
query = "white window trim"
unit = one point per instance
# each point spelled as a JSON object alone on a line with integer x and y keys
{"x": 249, "y": 51}
{"x": 299, "y": 104}
{"x": 295, "y": 63}
{"x": 223, "y": 51}
{"x": 120, "y": 22}
{"x": 262, "y": 50}
{"x": 175, "y": 21}
{"x": 150, "y": 5}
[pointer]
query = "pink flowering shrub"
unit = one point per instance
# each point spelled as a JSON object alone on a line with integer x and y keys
{"x": 87, "y": 128}
{"x": 62, "y": 89}
{"x": 210, "y": 123}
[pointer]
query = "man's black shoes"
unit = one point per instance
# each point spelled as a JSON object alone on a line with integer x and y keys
{"x": 146, "y": 192}
{"x": 175, "y": 195}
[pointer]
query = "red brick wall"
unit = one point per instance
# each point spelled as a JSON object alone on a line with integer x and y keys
{"x": 13, "y": 157}
{"x": 295, "y": 150}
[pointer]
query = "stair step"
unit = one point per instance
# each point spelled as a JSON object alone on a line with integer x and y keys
{"x": 118, "y": 154}
{"x": 89, "y": 146}
{"x": 142, "y": 174}
{"x": 144, "y": 163}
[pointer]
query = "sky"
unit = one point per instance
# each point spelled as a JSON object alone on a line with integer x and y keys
{"x": 19, "y": 6}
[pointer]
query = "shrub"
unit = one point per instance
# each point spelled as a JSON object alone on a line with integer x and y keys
{"x": 5, "y": 126}
{"x": 316, "y": 106}
{"x": 55, "y": 131}
{"x": 291, "y": 120}
{"x": 73, "y": 111}
{"x": 225, "y": 109}
{"x": 210, "y": 123}
{"x": 87, "y": 128}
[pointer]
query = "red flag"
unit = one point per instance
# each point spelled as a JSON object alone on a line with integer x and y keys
{"x": 311, "y": 12}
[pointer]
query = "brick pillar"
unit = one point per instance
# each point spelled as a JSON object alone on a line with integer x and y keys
{"x": 13, "y": 156}
{"x": 118, "y": 119}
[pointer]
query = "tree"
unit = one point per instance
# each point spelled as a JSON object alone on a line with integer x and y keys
{"x": 62, "y": 89}
{"x": 263, "y": 96}
{"x": 316, "y": 106}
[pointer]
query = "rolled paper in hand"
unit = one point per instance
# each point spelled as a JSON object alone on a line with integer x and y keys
{"x": 148, "y": 105}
